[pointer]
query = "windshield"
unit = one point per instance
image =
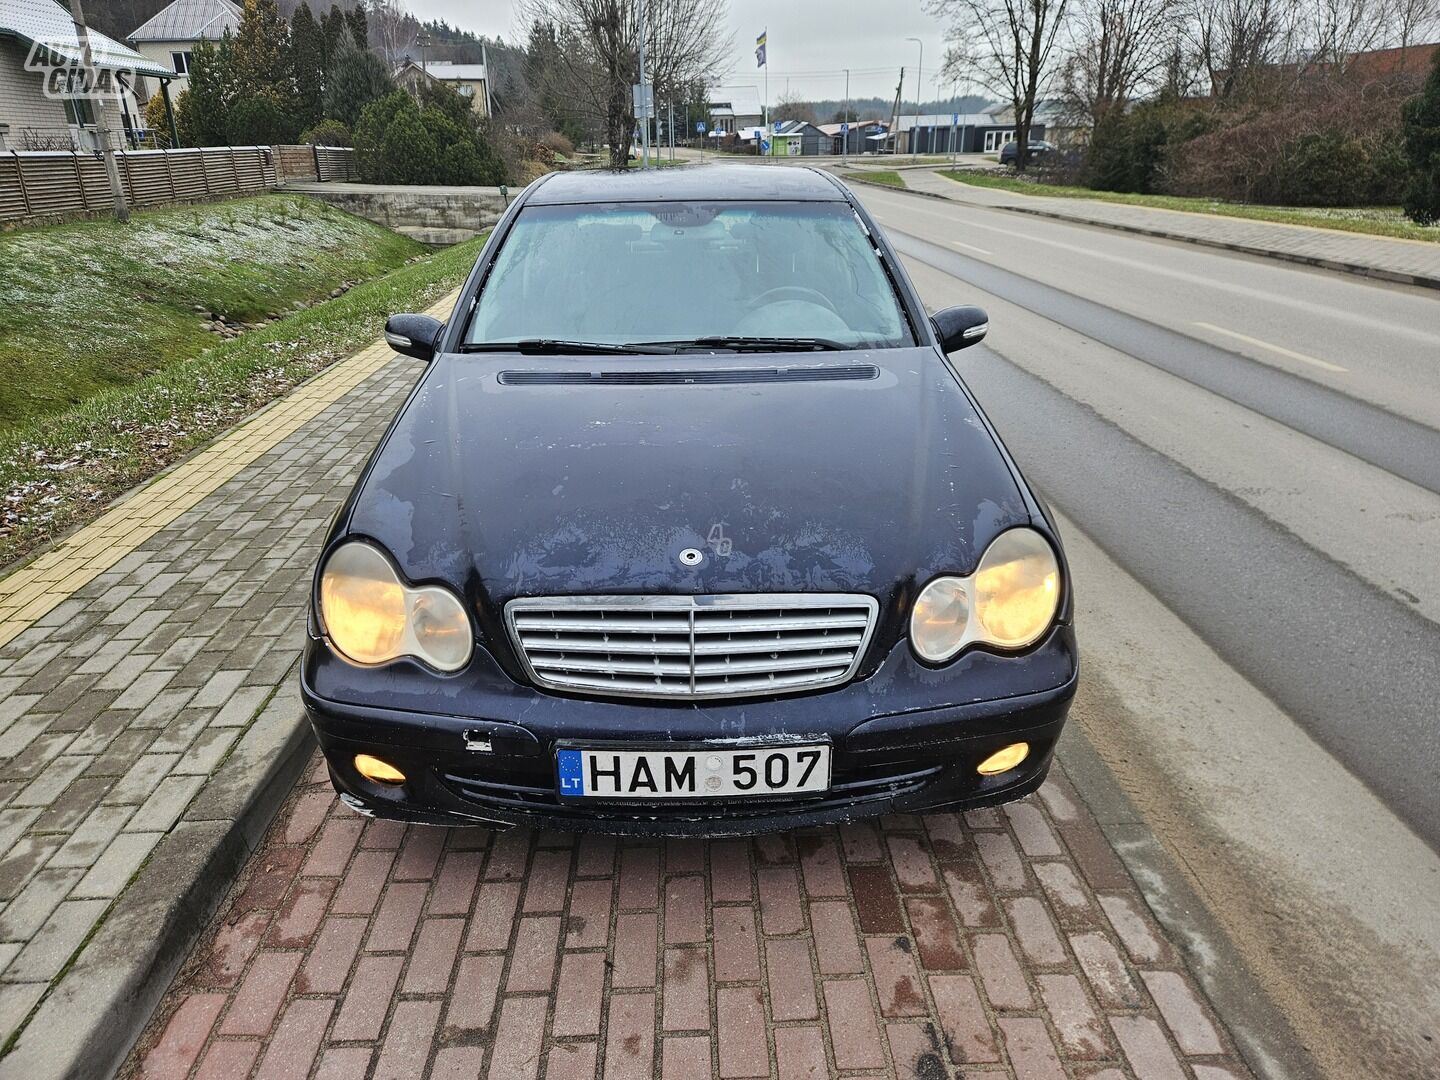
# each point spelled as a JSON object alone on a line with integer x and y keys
{"x": 625, "y": 273}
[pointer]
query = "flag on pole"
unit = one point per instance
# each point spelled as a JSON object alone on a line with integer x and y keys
{"x": 760, "y": 49}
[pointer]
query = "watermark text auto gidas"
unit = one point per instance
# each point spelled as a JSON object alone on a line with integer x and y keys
{"x": 67, "y": 76}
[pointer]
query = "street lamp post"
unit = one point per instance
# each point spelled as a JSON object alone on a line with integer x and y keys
{"x": 919, "y": 91}
{"x": 645, "y": 119}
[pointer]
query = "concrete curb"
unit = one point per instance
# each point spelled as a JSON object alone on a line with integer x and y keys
{"x": 851, "y": 178}
{"x": 1397, "y": 277}
{"x": 103, "y": 1002}
{"x": 1262, "y": 1035}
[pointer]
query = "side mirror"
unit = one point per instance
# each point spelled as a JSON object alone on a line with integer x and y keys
{"x": 960, "y": 327}
{"x": 413, "y": 335}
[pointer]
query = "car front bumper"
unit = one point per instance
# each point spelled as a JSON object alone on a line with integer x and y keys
{"x": 492, "y": 767}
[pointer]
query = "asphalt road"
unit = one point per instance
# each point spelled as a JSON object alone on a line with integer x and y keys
{"x": 1247, "y": 455}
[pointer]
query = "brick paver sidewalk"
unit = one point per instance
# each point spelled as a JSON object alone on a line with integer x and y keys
{"x": 1377, "y": 255}
{"x": 1003, "y": 944}
{"x": 146, "y": 685}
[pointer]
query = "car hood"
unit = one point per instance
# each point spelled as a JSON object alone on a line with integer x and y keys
{"x": 510, "y": 476}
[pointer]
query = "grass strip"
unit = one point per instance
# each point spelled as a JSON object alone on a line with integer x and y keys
{"x": 1370, "y": 220}
{"x": 879, "y": 176}
{"x": 61, "y": 471}
{"x": 89, "y": 306}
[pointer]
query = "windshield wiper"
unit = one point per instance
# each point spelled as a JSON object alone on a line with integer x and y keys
{"x": 754, "y": 344}
{"x": 560, "y": 347}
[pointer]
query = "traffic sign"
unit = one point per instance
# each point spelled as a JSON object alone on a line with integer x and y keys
{"x": 764, "y": 146}
{"x": 954, "y": 118}
{"x": 844, "y": 129}
{"x": 700, "y": 127}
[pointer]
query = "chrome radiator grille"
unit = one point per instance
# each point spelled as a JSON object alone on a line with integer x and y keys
{"x": 692, "y": 647}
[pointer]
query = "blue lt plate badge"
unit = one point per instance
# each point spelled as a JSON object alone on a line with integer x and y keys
{"x": 572, "y": 772}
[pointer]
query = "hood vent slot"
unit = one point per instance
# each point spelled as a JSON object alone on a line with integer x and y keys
{"x": 691, "y": 377}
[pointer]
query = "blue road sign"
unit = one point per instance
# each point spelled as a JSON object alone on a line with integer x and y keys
{"x": 764, "y": 146}
{"x": 844, "y": 129}
{"x": 954, "y": 118}
{"x": 700, "y": 127}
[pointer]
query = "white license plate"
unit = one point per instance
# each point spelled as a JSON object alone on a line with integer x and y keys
{"x": 693, "y": 774}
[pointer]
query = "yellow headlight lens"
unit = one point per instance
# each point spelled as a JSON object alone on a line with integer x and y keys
{"x": 1009, "y": 602}
{"x": 371, "y": 616}
{"x": 440, "y": 628}
{"x": 1017, "y": 589}
{"x": 941, "y": 617}
{"x": 363, "y": 604}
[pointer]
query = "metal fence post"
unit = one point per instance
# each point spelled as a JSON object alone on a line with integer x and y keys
{"x": 20, "y": 179}
{"x": 80, "y": 180}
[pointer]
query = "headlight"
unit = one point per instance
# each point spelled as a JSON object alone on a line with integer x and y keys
{"x": 371, "y": 616}
{"x": 1009, "y": 602}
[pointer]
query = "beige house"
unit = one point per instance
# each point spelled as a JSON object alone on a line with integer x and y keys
{"x": 169, "y": 38}
{"x": 42, "y": 103}
{"x": 468, "y": 80}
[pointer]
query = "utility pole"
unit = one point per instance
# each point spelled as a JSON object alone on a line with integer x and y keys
{"x": 954, "y": 108}
{"x": 102, "y": 131}
{"x": 485, "y": 63}
{"x": 845, "y": 124}
{"x": 644, "y": 108}
{"x": 671, "y": 126}
{"x": 919, "y": 92}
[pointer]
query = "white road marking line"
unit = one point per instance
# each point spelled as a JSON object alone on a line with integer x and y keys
{"x": 1291, "y": 353}
{"x": 971, "y": 247}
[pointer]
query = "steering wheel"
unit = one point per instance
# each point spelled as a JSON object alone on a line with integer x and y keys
{"x": 793, "y": 292}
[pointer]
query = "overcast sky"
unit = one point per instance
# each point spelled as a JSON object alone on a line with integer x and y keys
{"x": 810, "y": 41}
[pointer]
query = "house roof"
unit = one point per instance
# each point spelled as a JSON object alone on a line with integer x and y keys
{"x": 455, "y": 72}
{"x": 49, "y": 24}
{"x": 796, "y": 127}
{"x": 863, "y": 125}
{"x": 190, "y": 20}
{"x": 1382, "y": 63}
{"x": 734, "y": 101}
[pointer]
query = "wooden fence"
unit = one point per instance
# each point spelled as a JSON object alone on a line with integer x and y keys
{"x": 334, "y": 163}
{"x": 38, "y": 185}
{"x": 295, "y": 163}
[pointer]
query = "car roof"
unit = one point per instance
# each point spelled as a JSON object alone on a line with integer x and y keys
{"x": 727, "y": 181}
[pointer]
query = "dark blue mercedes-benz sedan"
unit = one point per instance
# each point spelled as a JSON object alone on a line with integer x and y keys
{"x": 689, "y": 526}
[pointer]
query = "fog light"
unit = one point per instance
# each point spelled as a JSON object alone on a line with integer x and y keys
{"x": 1004, "y": 760}
{"x": 381, "y": 772}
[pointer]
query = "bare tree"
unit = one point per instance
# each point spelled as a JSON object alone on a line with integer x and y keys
{"x": 1008, "y": 47}
{"x": 394, "y": 30}
{"x": 1236, "y": 40}
{"x": 685, "y": 43}
{"x": 1117, "y": 47}
{"x": 794, "y": 107}
{"x": 1338, "y": 30}
{"x": 1414, "y": 21}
